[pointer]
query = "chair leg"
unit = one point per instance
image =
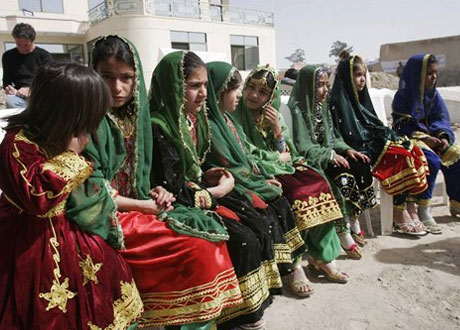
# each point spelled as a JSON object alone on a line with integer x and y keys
{"x": 367, "y": 217}
{"x": 386, "y": 212}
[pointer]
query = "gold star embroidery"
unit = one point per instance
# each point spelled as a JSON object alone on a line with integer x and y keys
{"x": 58, "y": 295}
{"x": 89, "y": 270}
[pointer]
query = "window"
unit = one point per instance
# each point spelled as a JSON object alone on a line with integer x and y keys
{"x": 60, "y": 52}
{"x": 245, "y": 52}
{"x": 188, "y": 41}
{"x": 215, "y": 10}
{"x": 46, "y": 6}
{"x": 178, "y": 8}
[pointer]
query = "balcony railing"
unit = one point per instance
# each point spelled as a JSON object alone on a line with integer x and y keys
{"x": 191, "y": 9}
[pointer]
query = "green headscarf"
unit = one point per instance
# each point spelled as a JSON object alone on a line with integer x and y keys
{"x": 226, "y": 151}
{"x": 92, "y": 204}
{"x": 265, "y": 152}
{"x": 302, "y": 104}
{"x": 354, "y": 115}
{"x": 167, "y": 101}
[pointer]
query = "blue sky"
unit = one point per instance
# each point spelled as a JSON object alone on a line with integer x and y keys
{"x": 365, "y": 24}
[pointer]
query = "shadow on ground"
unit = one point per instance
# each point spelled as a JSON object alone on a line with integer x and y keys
{"x": 441, "y": 255}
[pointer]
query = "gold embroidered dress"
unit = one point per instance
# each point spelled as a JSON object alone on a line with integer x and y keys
{"x": 53, "y": 274}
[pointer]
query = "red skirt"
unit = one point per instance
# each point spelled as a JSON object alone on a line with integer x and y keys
{"x": 312, "y": 199}
{"x": 55, "y": 276}
{"x": 400, "y": 170}
{"x": 182, "y": 279}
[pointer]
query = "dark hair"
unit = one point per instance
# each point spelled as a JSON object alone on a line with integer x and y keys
{"x": 357, "y": 62}
{"x": 112, "y": 46}
{"x": 235, "y": 81}
{"x": 432, "y": 59}
{"x": 271, "y": 81}
{"x": 191, "y": 62}
{"x": 24, "y": 30}
{"x": 291, "y": 73}
{"x": 66, "y": 100}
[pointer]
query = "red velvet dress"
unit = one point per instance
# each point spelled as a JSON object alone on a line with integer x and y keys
{"x": 182, "y": 279}
{"x": 52, "y": 274}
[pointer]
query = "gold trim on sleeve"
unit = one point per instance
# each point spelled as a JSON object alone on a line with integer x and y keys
{"x": 72, "y": 168}
{"x": 203, "y": 199}
{"x": 451, "y": 155}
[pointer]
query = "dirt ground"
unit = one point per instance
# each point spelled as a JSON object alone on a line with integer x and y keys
{"x": 401, "y": 283}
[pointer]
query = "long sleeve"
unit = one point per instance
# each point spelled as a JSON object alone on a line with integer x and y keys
{"x": 7, "y": 71}
{"x": 35, "y": 184}
{"x": 166, "y": 172}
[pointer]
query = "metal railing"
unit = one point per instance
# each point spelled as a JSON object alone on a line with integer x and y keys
{"x": 192, "y": 9}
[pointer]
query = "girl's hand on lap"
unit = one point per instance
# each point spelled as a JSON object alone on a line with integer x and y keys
{"x": 355, "y": 155}
{"x": 161, "y": 196}
{"x": 341, "y": 161}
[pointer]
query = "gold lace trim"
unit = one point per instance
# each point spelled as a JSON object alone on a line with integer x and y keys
{"x": 424, "y": 202}
{"x": 70, "y": 167}
{"x": 55, "y": 211}
{"x": 59, "y": 293}
{"x": 125, "y": 310}
{"x": 254, "y": 289}
{"x": 89, "y": 269}
{"x": 282, "y": 254}
{"x": 316, "y": 211}
{"x": 80, "y": 173}
{"x": 294, "y": 239}
{"x": 451, "y": 155}
{"x": 197, "y": 304}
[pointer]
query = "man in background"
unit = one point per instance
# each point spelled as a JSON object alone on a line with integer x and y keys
{"x": 20, "y": 65}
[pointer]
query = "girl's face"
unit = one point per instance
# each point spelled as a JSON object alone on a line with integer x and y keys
{"x": 196, "y": 90}
{"x": 431, "y": 75}
{"x": 229, "y": 100}
{"x": 359, "y": 77}
{"x": 120, "y": 77}
{"x": 256, "y": 95}
{"x": 323, "y": 87}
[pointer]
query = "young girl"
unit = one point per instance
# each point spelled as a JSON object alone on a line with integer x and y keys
{"x": 232, "y": 150}
{"x": 167, "y": 260}
{"x": 398, "y": 164}
{"x": 182, "y": 141}
{"x": 347, "y": 170}
{"x": 54, "y": 274}
{"x": 420, "y": 113}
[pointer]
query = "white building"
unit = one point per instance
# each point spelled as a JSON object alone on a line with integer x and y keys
{"x": 213, "y": 28}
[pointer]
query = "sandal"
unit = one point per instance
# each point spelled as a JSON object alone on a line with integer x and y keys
{"x": 413, "y": 228}
{"x": 432, "y": 226}
{"x": 299, "y": 283}
{"x": 259, "y": 325}
{"x": 354, "y": 252}
{"x": 359, "y": 238}
{"x": 336, "y": 276}
{"x": 454, "y": 211}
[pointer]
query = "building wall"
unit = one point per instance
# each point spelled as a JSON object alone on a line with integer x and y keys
{"x": 446, "y": 49}
{"x": 149, "y": 34}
